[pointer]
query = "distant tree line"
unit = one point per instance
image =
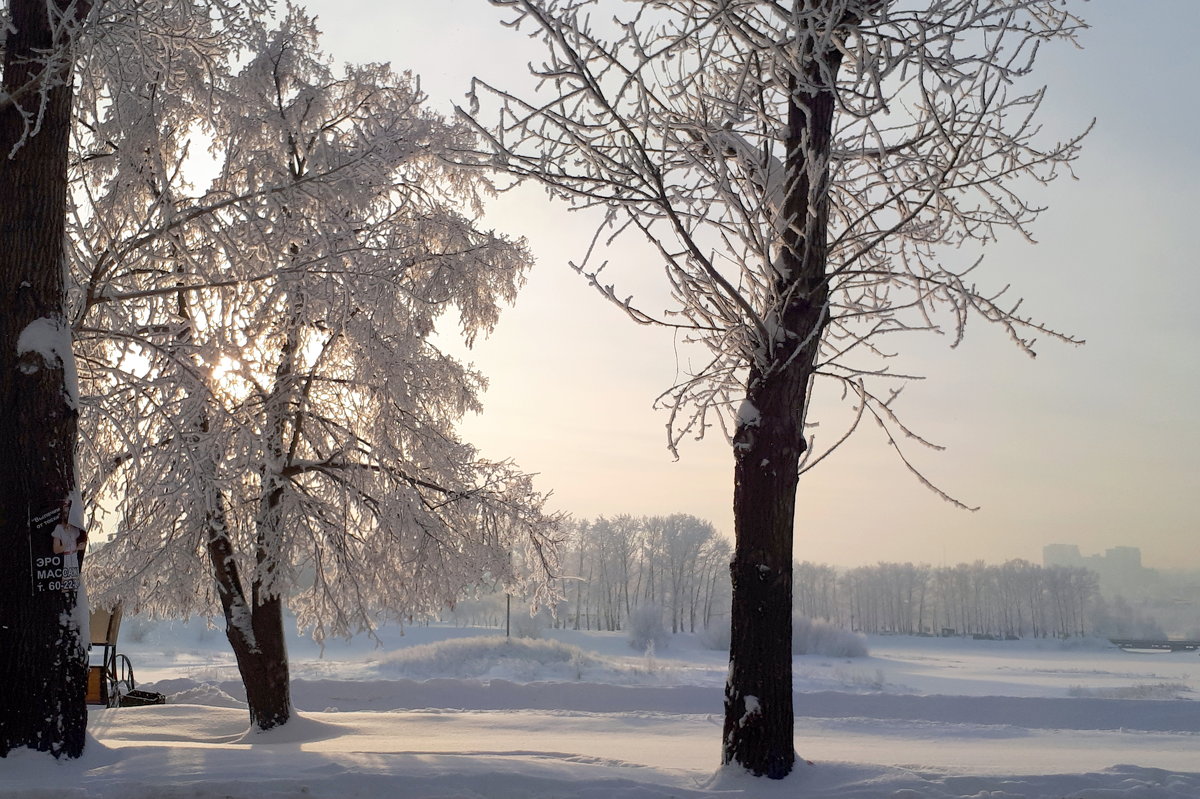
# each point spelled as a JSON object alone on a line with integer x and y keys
{"x": 617, "y": 568}
{"x": 677, "y": 564}
{"x": 1013, "y": 599}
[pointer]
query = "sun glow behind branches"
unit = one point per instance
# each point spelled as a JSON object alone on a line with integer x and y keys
{"x": 232, "y": 379}
{"x": 226, "y": 369}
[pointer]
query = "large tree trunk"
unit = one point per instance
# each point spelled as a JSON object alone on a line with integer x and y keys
{"x": 758, "y": 693}
{"x": 263, "y": 664}
{"x": 254, "y": 628}
{"x": 758, "y": 730}
{"x": 254, "y": 624}
{"x": 43, "y": 655}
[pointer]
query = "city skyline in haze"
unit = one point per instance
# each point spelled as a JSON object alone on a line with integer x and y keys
{"x": 1092, "y": 445}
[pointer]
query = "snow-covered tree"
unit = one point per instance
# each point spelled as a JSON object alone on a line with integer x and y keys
{"x": 684, "y": 539}
{"x": 268, "y": 409}
{"x": 105, "y": 47}
{"x": 675, "y": 563}
{"x": 43, "y": 667}
{"x": 800, "y": 168}
{"x": 1014, "y": 599}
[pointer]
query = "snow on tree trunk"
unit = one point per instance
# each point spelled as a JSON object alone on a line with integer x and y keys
{"x": 768, "y": 443}
{"x": 254, "y": 628}
{"x": 760, "y": 649}
{"x": 262, "y": 662}
{"x": 43, "y": 659}
{"x": 706, "y": 127}
{"x": 286, "y": 406}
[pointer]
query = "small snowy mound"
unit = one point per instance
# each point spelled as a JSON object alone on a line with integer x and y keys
{"x": 816, "y": 637}
{"x": 489, "y": 657}
{"x": 180, "y": 692}
{"x": 1157, "y": 690}
{"x": 299, "y": 730}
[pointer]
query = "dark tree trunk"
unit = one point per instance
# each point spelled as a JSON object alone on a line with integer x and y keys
{"x": 758, "y": 731}
{"x": 254, "y": 627}
{"x": 254, "y": 623}
{"x": 758, "y": 694}
{"x": 43, "y": 656}
{"x": 263, "y": 664}
{"x": 262, "y": 653}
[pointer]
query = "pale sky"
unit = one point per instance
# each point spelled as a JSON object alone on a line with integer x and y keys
{"x": 1094, "y": 445}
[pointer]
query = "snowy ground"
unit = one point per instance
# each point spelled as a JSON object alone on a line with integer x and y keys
{"x": 581, "y": 716}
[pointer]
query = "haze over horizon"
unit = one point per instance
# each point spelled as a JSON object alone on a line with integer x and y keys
{"x": 1092, "y": 445}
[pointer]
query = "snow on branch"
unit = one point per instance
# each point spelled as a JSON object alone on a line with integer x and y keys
{"x": 263, "y": 391}
{"x": 693, "y": 124}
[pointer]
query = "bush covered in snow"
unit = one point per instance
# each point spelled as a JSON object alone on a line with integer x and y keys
{"x": 815, "y": 637}
{"x": 716, "y": 636}
{"x": 191, "y": 692}
{"x": 528, "y": 624}
{"x": 646, "y": 628}
{"x": 1158, "y": 690}
{"x": 809, "y": 637}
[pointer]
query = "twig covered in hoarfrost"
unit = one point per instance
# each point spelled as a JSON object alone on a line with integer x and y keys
{"x": 265, "y": 401}
{"x": 800, "y": 169}
{"x": 673, "y": 118}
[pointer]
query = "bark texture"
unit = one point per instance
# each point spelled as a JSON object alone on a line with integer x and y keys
{"x": 43, "y": 658}
{"x": 254, "y": 628}
{"x": 758, "y": 730}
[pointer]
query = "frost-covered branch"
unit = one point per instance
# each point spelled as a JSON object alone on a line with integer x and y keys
{"x": 673, "y": 117}
{"x": 271, "y": 332}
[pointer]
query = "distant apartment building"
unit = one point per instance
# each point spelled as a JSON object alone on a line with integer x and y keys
{"x": 1119, "y": 568}
{"x": 1061, "y": 555}
{"x": 1170, "y": 598}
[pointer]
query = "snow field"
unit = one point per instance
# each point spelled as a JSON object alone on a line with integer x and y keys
{"x": 449, "y": 713}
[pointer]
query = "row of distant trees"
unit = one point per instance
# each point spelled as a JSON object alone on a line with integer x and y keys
{"x": 678, "y": 566}
{"x": 1012, "y": 599}
{"x": 677, "y": 563}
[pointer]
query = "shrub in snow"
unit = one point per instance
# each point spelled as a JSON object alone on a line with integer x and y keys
{"x": 815, "y": 637}
{"x": 716, "y": 636}
{"x": 646, "y": 628}
{"x": 809, "y": 637}
{"x": 1158, "y": 690}
{"x": 526, "y": 625}
{"x": 206, "y": 693}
